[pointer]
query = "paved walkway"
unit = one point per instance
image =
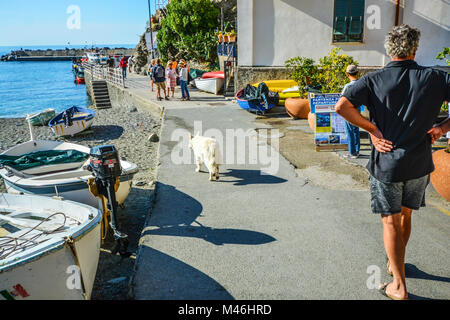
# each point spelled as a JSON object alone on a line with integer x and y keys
{"x": 256, "y": 236}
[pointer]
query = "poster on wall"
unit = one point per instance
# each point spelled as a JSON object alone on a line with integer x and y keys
{"x": 330, "y": 127}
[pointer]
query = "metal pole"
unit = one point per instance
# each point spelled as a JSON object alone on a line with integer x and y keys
{"x": 151, "y": 30}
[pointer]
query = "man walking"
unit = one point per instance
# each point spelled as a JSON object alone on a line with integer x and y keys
{"x": 404, "y": 100}
{"x": 124, "y": 65}
{"x": 160, "y": 80}
{"x": 353, "y": 136}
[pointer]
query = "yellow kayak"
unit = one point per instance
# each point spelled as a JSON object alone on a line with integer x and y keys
{"x": 279, "y": 86}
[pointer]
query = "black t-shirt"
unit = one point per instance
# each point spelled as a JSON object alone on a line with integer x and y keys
{"x": 404, "y": 100}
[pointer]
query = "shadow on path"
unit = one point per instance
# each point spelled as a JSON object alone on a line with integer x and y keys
{"x": 171, "y": 279}
{"x": 166, "y": 277}
{"x": 214, "y": 236}
{"x": 246, "y": 177}
{"x": 415, "y": 273}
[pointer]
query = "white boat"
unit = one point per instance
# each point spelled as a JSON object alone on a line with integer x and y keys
{"x": 212, "y": 85}
{"x": 67, "y": 180}
{"x": 49, "y": 249}
{"x": 72, "y": 121}
{"x": 93, "y": 57}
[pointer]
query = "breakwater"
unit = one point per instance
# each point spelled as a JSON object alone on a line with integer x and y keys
{"x": 61, "y": 54}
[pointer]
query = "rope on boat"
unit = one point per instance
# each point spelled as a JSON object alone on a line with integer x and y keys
{"x": 9, "y": 245}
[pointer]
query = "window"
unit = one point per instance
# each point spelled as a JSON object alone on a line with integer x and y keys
{"x": 348, "y": 21}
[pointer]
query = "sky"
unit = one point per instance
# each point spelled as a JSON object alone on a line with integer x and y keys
{"x": 78, "y": 22}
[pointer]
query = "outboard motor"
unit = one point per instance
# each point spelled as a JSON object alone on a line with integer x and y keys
{"x": 105, "y": 166}
{"x": 67, "y": 118}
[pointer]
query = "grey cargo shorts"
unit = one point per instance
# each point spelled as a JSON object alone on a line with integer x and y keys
{"x": 390, "y": 197}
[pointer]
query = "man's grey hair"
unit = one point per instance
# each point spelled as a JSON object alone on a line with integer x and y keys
{"x": 402, "y": 41}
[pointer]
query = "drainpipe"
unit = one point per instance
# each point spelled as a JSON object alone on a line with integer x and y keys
{"x": 397, "y": 12}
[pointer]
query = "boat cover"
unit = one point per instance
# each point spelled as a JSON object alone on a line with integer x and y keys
{"x": 259, "y": 95}
{"x": 42, "y": 158}
{"x": 196, "y": 73}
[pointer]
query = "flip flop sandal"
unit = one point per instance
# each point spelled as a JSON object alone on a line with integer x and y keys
{"x": 382, "y": 290}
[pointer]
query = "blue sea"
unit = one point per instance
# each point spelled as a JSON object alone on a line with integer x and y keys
{"x": 29, "y": 87}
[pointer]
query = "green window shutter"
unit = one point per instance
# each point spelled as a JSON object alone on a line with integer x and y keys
{"x": 357, "y": 8}
{"x": 340, "y": 8}
{"x": 340, "y": 17}
{"x": 356, "y": 18}
{"x": 348, "y": 20}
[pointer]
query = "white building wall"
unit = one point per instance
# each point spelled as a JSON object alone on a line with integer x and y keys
{"x": 272, "y": 31}
{"x": 432, "y": 17}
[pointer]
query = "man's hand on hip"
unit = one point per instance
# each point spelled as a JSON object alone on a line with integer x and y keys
{"x": 380, "y": 144}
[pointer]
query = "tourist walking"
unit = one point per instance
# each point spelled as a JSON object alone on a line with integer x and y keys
{"x": 353, "y": 136}
{"x": 171, "y": 79}
{"x": 110, "y": 64}
{"x": 404, "y": 100}
{"x": 130, "y": 64}
{"x": 124, "y": 65}
{"x": 160, "y": 80}
{"x": 184, "y": 78}
{"x": 150, "y": 72}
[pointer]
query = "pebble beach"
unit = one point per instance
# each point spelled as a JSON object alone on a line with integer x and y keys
{"x": 129, "y": 129}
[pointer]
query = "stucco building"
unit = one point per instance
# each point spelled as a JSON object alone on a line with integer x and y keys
{"x": 272, "y": 31}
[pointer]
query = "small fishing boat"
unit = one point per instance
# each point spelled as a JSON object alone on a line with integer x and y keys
{"x": 56, "y": 168}
{"x": 213, "y": 74}
{"x": 78, "y": 74}
{"x": 211, "y": 85}
{"x": 252, "y": 106}
{"x": 41, "y": 118}
{"x": 49, "y": 248}
{"x": 72, "y": 121}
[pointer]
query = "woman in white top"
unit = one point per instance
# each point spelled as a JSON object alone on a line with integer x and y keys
{"x": 184, "y": 78}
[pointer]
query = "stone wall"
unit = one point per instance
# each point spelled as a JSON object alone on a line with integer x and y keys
{"x": 245, "y": 75}
{"x": 121, "y": 98}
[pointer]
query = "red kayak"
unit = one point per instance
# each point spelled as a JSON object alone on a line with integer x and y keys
{"x": 214, "y": 74}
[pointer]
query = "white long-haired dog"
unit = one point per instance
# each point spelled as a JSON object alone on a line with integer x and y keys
{"x": 207, "y": 151}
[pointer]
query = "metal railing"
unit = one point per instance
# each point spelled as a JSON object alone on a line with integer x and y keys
{"x": 113, "y": 75}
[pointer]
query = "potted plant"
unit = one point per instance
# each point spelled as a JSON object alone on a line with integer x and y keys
{"x": 232, "y": 36}
{"x": 219, "y": 35}
{"x": 332, "y": 75}
{"x": 305, "y": 73}
{"x": 441, "y": 174}
{"x": 441, "y": 158}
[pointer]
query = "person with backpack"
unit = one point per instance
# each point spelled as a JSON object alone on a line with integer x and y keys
{"x": 160, "y": 79}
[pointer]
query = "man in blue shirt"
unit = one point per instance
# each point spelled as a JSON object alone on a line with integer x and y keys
{"x": 353, "y": 136}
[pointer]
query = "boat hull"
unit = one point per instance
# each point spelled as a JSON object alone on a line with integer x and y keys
{"x": 79, "y": 123}
{"x": 211, "y": 85}
{"x": 77, "y": 191}
{"x": 73, "y": 188}
{"x": 77, "y": 127}
{"x": 251, "y": 107}
{"x": 42, "y": 118}
{"x": 63, "y": 265}
{"x": 55, "y": 275}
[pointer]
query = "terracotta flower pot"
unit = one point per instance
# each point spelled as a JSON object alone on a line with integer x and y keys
{"x": 231, "y": 38}
{"x": 440, "y": 177}
{"x": 312, "y": 121}
{"x": 225, "y": 38}
{"x": 297, "y": 107}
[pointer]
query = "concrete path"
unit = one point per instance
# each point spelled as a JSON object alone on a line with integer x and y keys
{"x": 256, "y": 236}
